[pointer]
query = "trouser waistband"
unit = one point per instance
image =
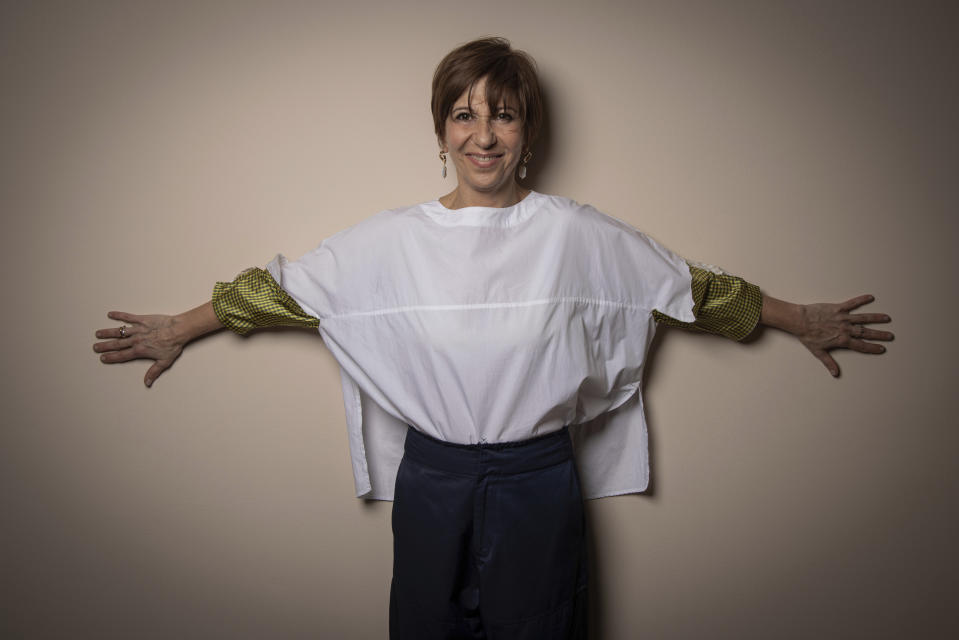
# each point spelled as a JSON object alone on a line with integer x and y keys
{"x": 501, "y": 457}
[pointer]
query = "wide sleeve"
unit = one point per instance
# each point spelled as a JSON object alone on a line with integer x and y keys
{"x": 724, "y": 305}
{"x": 619, "y": 264}
{"x": 253, "y": 300}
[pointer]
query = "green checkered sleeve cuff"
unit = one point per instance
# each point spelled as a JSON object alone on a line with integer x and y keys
{"x": 723, "y": 304}
{"x": 254, "y": 300}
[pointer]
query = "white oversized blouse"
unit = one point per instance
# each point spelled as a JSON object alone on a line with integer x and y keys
{"x": 486, "y": 324}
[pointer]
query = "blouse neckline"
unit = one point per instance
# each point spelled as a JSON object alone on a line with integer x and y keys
{"x": 483, "y": 216}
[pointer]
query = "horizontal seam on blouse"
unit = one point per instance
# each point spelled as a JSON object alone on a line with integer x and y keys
{"x": 489, "y": 305}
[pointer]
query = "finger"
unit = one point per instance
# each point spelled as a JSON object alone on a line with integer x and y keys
{"x": 116, "y": 332}
{"x": 875, "y": 334}
{"x": 112, "y": 345}
{"x": 154, "y": 372}
{"x": 866, "y": 347}
{"x": 125, "y": 355}
{"x": 827, "y": 360}
{"x": 123, "y": 316}
{"x": 868, "y": 318}
{"x": 858, "y": 301}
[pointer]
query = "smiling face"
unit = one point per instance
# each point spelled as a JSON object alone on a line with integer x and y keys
{"x": 485, "y": 143}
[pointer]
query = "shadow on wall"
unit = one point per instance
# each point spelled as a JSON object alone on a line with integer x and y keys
{"x": 543, "y": 147}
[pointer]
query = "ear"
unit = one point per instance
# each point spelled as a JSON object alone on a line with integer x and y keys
{"x": 441, "y": 143}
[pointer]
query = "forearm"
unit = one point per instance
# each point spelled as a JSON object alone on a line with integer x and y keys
{"x": 156, "y": 337}
{"x": 824, "y": 326}
{"x": 252, "y": 300}
{"x": 780, "y": 314}
{"x": 196, "y": 322}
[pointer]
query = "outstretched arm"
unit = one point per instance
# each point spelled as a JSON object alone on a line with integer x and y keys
{"x": 253, "y": 300}
{"x": 159, "y": 338}
{"x": 822, "y": 327}
{"x": 729, "y": 306}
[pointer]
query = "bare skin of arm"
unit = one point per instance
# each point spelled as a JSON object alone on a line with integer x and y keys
{"x": 822, "y": 327}
{"x": 160, "y": 338}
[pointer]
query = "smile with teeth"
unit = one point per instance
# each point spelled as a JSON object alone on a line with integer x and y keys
{"x": 484, "y": 160}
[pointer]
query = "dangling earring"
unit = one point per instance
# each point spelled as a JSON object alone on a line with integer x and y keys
{"x": 522, "y": 166}
{"x": 443, "y": 158}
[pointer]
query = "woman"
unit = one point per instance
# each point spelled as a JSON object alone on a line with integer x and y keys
{"x": 495, "y": 330}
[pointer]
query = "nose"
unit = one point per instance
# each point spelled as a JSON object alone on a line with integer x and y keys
{"x": 484, "y": 136}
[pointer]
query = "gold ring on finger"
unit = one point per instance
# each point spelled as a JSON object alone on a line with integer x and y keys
{"x": 123, "y": 332}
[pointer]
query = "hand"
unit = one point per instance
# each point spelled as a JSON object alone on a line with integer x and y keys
{"x": 153, "y": 337}
{"x": 823, "y": 326}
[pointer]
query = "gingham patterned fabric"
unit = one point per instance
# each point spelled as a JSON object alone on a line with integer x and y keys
{"x": 724, "y": 305}
{"x": 254, "y": 300}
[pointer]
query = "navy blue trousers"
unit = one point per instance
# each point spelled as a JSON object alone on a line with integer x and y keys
{"x": 489, "y": 541}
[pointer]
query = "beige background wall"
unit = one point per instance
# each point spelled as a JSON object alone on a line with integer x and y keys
{"x": 149, "y": 149}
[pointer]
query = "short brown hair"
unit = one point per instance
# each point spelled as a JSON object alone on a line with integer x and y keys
{"x": 510, "y": 74}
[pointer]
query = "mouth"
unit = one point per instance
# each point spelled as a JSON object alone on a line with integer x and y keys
{"x": 484, "y": 160}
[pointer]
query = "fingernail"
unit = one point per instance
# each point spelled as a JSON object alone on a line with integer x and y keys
{"x": 882, "y": 349}
{"x": 103, "y": 358}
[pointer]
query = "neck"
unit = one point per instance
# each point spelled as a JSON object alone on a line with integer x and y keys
{"x": 461, "y": 197}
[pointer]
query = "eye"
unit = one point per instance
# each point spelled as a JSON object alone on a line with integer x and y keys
{"x": 463, "y": 116}
{"x": 504, "y": 116}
